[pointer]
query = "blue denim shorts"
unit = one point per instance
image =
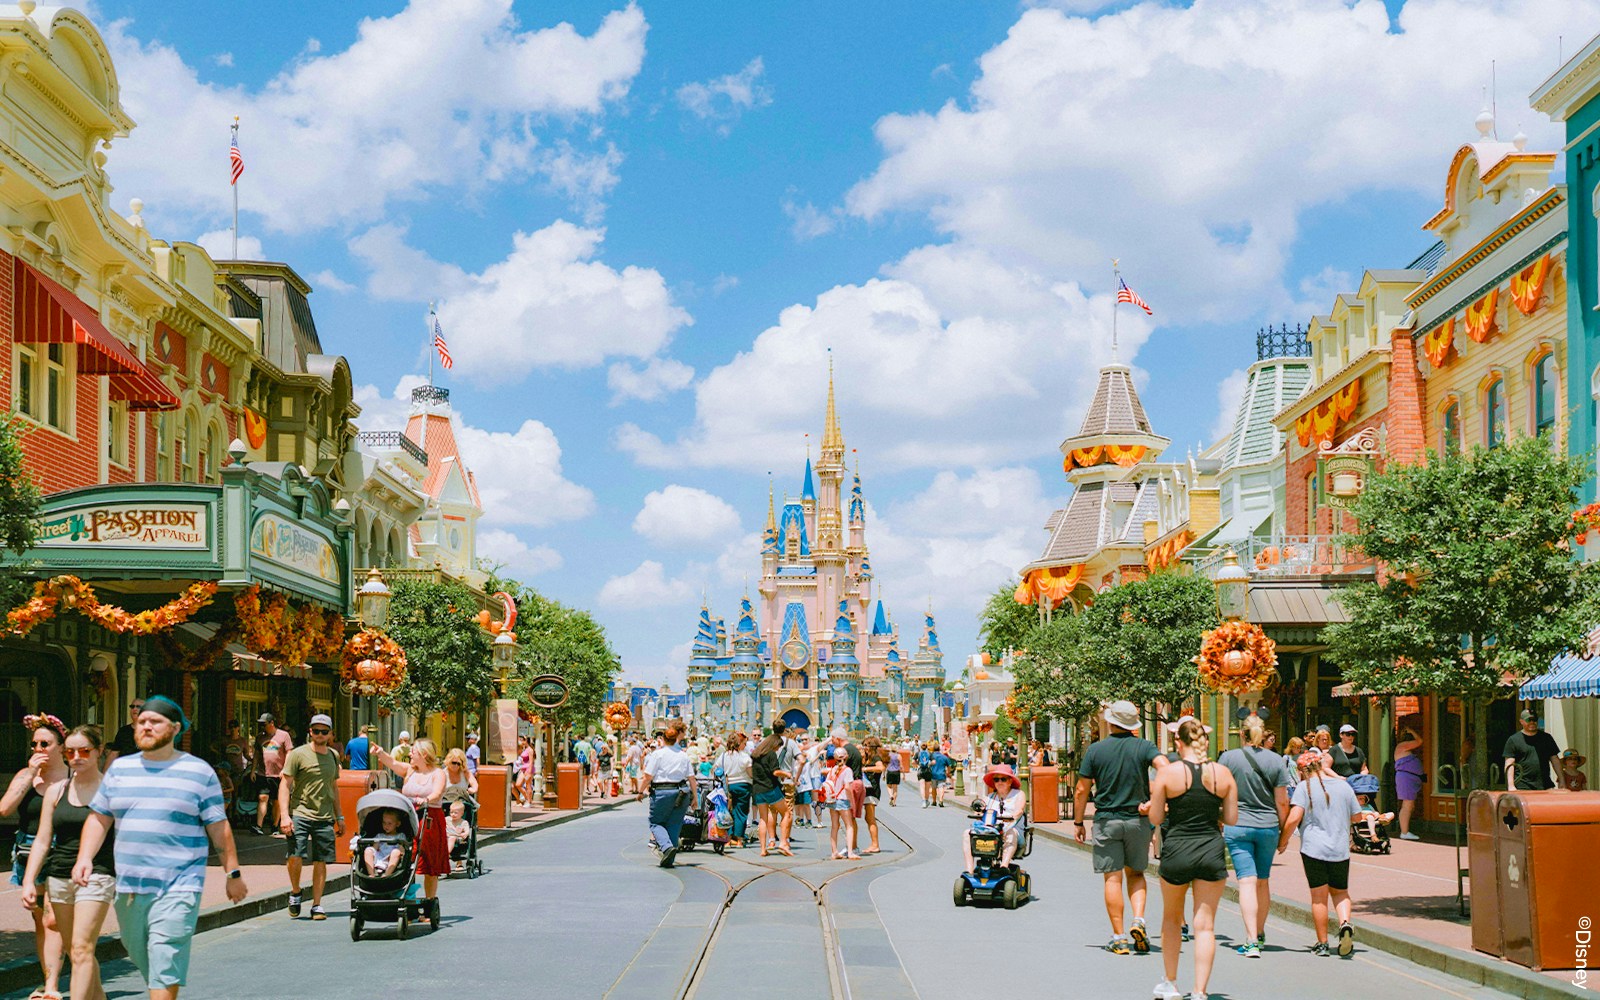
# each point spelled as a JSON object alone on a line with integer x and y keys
{"x": 1251, "y": 848}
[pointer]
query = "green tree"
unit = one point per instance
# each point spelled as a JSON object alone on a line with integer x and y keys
{"x": 1004, "y": 624}
{"x": 1479, "y": 576}
{"x": 20, "y": 502}
{"x": 1137, "y": 639}
{"x": 449, "y": 663}
{"x": 555, "y": 639}
{"x": 1050, "y": 680}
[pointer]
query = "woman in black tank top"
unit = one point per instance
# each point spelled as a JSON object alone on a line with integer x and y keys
{"x": 24, "y": 797}
{"x": 1190, "y": 800}
{"x": 79, "y": 910}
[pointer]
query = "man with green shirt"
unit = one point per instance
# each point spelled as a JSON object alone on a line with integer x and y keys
{"x": 308, "y": 811}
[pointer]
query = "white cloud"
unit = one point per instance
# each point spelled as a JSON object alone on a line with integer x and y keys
{"x": 549, "y": 303}
{"x": 726, "y": 98}
{"x": 954, "y": 359}
{"x": 519, "y": 474}
{"x": 1230, "y": 393}
{"x": 332, "y": 282}
{"x": 684, "y": 515}
{"x": 437, "y": 97}
{"x": 656, "y": 379}
{"x": 807, "y": 221}
{"x": 222, "y": 59}
{"x": 219, "y": 244}
{"x": 646, "y": 587}
{"x": 724, "y": 283}
{"x": 1189, "y": 139}
{"x": 503, "y": 548}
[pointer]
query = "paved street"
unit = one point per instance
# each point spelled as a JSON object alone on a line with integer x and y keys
{"x": 581, "y": 911}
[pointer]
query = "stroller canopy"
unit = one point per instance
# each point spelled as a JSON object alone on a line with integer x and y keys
{"x": 373, "y": 803}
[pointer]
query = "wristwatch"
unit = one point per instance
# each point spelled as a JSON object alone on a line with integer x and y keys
{"x": 236, "y": 873}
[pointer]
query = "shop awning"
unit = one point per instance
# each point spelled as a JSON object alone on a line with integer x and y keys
{"x": 46, "y": 313}
{"x": 1569, "y": 676}
{"x": 236, "y": 657}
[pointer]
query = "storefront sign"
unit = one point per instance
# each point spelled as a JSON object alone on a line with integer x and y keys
{"x": 548, "y": 691}
{"x": 281, "y": 541}
{"x": 128, "y": 526}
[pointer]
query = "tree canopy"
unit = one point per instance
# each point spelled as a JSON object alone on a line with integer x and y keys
{"x": 555, "y": 639}
{"x": 20, "y": 503}
{"x": 1004, "y": 624}
{"x": 1479, "y": 580}
{"x": 449, "y": 661}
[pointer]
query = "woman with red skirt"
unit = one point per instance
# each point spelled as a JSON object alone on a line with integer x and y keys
{"x": 424, "y": 786}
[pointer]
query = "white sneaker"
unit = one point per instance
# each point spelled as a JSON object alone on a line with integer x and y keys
{"x": 1166, "y": 991}
{"x": 1409, "y": 836}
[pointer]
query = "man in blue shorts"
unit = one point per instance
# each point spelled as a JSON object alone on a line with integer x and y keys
{"x": 160, "y": 800}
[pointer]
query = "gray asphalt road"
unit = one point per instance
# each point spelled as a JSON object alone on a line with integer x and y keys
{"x": 581, "y": 911}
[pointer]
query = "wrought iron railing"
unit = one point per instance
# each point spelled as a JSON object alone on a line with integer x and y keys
{"x": 1287, "y": 556}
{"x": 395, "y": 439}
{"x": 1284, "y": 342}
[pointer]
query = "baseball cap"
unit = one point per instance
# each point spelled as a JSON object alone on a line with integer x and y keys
{"x": 1529, "y": 715}
{"x": 1346, "y": 728}
{"x": 472, "y": 736}
{"x": 266, "y": 717}
{"x": 1324, "y": 729}
{"x": 321, "y": 720}
{"x": 405, "y": 734}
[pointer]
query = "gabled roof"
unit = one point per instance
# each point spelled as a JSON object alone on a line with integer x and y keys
{"x": 436, "y": 433}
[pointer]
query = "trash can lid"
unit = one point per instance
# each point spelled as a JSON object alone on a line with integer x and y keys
{"x": 1554, "y": 807}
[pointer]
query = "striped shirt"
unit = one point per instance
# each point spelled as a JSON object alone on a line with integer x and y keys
{"x": 161, "y": 810}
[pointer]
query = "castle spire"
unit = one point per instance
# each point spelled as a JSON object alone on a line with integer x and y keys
{"x": 832, "y": 438}
{"x": 772, "y": 516}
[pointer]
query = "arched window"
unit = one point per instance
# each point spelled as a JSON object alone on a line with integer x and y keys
{"x": 1494, "y": 413}
{"x": 1450, "y": 429}
{"x": 1544, "y": 393}
{"x": 209, "y": 457}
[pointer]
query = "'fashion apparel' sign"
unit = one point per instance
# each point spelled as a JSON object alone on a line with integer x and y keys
{"x": 281, "y": 541}
{"x": 128, "y": 526}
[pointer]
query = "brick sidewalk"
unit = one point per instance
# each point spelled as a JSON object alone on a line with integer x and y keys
{"x": 261, "y": 860}
{"x": 1410, "y": 893}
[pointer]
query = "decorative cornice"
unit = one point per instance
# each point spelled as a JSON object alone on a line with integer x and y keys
{"x": 1370, "y": 360}
{"x": 1479, "y": 291}
{"x": 1489, "y": 244}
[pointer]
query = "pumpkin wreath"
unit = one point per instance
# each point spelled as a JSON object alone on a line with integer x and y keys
{"x": 1236, "y": 657}
{"x": 373, "y": 664}
{"x": 618, "y": 716}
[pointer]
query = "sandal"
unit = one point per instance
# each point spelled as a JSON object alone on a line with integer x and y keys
{"x": 786, "y": 852}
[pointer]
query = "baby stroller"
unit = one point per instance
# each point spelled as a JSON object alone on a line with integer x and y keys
{"x": 465, "y": 853}
{"x": 1361, "y": 839}
{"x": 390, "y": 898}
{"x": 699, "y": 822}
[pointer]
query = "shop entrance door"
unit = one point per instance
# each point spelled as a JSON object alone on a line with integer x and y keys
{"x": 18, "y": 695}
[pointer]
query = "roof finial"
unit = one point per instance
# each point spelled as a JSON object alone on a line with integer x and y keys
{"x": 772, "y": 517}
{"x": 832, "y": 438}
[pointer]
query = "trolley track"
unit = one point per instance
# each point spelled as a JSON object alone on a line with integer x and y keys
{"x": 736, "y": 874}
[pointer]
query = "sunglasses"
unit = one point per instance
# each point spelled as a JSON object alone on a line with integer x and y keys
{"x": 44, "y": 743}
{"x": 321, "y": 732}
{"x": 78, "y": 752}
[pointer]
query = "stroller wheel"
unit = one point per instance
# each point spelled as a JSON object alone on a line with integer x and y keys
{"x": 402, "y": 924}
{"x": 433, "y": 914}
{"x": 355, "y": 926}
{"x": 474, "y": 868}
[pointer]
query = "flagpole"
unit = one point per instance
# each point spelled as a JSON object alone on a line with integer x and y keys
{"x": 1116, "y": 288}
{"x": 235, "y": 186}
{"x": 431, "y": 349}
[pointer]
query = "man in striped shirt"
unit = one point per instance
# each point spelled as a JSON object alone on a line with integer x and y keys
{"x": 166, "y": 806}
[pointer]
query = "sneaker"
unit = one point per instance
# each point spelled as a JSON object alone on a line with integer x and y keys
{"x": 1261, "y": 939}
{"x": 1186, "y": 935}
{"x": 318, "y": 913}
{"x": 1409, "y": 836}
{"x": 258, "y": 831}
{"x": 1347, "y": 939}
{"x": 1251, "y": 950}
{"x": 1166, "y": 991}
{"x": 1141, "y": 939}
{"x": 1119, "y": 946}
{"x": 667, "y": 856}
{"x": 294, "y": 904}
{"x": 1320, "y": 949}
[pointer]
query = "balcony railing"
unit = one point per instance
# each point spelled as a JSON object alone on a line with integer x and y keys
{"x": 395, "y": 439}
{"x": 1287, "y": 556}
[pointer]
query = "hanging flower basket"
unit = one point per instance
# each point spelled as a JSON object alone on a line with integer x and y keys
{"x": 273, "y": 629}
{"x": 1585, "y": 520}
{"x": 1237, "y": 657}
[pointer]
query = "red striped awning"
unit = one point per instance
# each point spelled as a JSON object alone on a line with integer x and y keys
{"x": 46, "y": 313}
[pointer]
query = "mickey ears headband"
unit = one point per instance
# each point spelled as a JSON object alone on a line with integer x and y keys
{"x": 1243, "y": 712}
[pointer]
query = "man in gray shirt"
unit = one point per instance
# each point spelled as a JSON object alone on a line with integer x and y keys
{"x": 1263, "y": 781}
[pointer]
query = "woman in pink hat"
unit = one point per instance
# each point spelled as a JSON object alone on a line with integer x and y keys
{"x": 1006, "y": 801}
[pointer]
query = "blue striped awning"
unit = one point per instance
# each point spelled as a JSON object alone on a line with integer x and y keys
{"x": 1569, "y": 676}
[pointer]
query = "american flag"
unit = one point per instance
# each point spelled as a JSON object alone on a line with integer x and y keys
{"x": 1126, "y": 294}
{"x": 440, "y": 346}
{"x": 235, "y": 160}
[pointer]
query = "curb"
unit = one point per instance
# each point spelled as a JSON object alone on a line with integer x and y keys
{"x": 1467, "y": 966}
{"x": 22, "y": 973}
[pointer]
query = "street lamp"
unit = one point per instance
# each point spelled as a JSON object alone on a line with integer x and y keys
{"x": 372, "y": 600}
{"x": 1233, "y": 589}
{"x": 505, "y": 652}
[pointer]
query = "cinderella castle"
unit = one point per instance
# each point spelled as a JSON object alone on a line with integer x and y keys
{"x": 807, "y": 653}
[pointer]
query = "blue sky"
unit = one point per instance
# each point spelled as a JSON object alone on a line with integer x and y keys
{"x": 645, "y": 226}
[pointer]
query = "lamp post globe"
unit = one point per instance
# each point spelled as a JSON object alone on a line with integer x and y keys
{"x": 1232, "y": 584}
{"x": 372, "y": 600}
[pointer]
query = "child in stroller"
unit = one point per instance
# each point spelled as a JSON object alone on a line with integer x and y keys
{"x": 1369, "y": 832}
{"x": 461, "y": 832}
{"x": 385, "y": 851}
{"x": 383, "y": 887}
